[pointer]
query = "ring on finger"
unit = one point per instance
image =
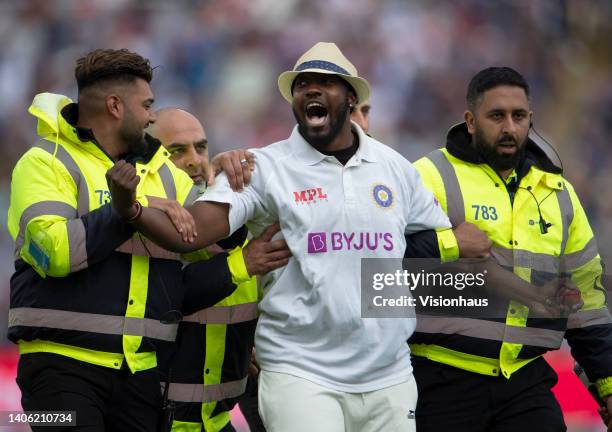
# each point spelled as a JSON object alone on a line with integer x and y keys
{"x": 243, "y": 162}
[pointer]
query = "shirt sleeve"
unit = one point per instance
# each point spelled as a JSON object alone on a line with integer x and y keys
{"x": 245, "y": 206}
{"x": 424, "y": 211}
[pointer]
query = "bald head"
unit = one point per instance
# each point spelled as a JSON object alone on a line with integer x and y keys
{"x": 173, "y": 123}
{"x": 184, "y": 137}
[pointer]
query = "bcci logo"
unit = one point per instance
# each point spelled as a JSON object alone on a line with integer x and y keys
{"x": 383, "y": 196}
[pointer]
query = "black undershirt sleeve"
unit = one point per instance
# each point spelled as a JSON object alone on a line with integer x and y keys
{"x": 206, "y": 283}
{"x": 422, "y": 244}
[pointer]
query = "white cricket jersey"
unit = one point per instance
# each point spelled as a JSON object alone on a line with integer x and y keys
{"x": 331, "y": 216}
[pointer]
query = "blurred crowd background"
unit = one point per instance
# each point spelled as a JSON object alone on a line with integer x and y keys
{"x": 220, "y": 60}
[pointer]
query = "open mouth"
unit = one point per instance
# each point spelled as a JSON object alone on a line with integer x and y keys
{"x": 316, "y": 114}
{"x": 507, "y": 147}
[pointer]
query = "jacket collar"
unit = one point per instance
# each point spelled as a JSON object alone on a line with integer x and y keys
{"x": 58, "y": 116}
{"x": 459, "y": 145}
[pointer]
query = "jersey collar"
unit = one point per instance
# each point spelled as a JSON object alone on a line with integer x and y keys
{"x": 309, "y": 155}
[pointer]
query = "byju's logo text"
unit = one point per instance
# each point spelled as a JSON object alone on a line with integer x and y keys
{"x": 340, "y": 241}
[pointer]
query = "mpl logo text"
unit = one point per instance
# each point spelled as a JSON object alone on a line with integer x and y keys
{"x": 317, "y": 242}
{"x": 309, "y": 196}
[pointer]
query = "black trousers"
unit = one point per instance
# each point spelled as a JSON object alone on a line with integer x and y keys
{"x": 452, "y": 399}
{"x": 249, "y": 406}
{"x": 104, "y": 399}
{"x": 189, "y": 412}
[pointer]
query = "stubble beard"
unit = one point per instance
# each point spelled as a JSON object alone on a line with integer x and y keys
{"x": 498, "y": 161}
{"x": 133, "y": 137}
{"x": 321, "y": 142}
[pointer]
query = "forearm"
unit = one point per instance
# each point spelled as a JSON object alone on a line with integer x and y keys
{"x": 501, "y": 282}
{"x": 114, "y": 231}
{"x": 440, "y": 244}
{"x": 211, "y": 220}
{"x": 592, "y": 347}
{"x": 56, "y": 247}
{"x": 422, "y": 244}
{"x": 206, "y": 283}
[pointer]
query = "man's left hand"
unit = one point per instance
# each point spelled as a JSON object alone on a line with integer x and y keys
{"x": 180, "y": 217}
{"x": 237, "y": 164}
{"x": 253, "y": 365}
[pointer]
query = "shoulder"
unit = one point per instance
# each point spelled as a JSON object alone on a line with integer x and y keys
{"x": 384, "y": 151}
{"x": 392, "y": 160}
{"x": 431, "y": 160}
{"x": 41, "y": 154}
{"x": 272, "y": 153}
{"x": 271, "y": 158}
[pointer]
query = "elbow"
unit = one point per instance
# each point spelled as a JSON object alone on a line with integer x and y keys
{"x": 57, "y": 271}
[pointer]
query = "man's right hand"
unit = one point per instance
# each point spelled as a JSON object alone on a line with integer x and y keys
{"x": 472, "y": 242}
{"x": 263, "y": 254}
{"x": 122, "y": 181}
{"x": 557, "y": 298}
{"x": 237, "y": 164}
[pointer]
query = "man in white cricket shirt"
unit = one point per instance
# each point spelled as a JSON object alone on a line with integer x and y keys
{"x": 339, "y": 196}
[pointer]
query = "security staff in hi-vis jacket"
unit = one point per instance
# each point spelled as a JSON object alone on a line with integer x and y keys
{"x": 487, "y": 373}
{"x": 205, "y": 373}
{"x": 92, "y": 301}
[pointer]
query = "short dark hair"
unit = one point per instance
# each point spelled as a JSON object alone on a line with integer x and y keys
{"x": 490, "y": 78}
{"x": 108, "y": 64}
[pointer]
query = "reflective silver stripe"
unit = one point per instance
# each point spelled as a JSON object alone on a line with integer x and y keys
{"x": 504, "y": 257}
{"x": 77, "y": 245}
{"x": 490, "y": 330}
{"x": 545, "y": 262}
{"x": 567, "y": 215}
{"x": 587, "y": 318}
{"x": 90, "y": 322}
{"x": 144, "y": 247}
{"x": 524, "y": 258}
{"x": 193, "y": 194}
{"x": 56, "y": 208}
{"x": 73, "y": 169}
{"x": 224, "y": 314}
{"x": 454, "y": 198}
{"x": 167, "y": 181}
{"x": 462, "y": 326}
{"x": 534, "y": 336}
{"x": 576, "y": 259}
{"x": 180, "y": 392}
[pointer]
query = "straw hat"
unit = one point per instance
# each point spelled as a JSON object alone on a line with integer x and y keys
{"x": 325, "y": 58}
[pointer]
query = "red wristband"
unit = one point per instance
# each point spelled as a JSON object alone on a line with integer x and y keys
{"x": 138, "y": 212}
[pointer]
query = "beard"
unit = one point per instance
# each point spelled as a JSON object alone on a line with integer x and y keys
{"x": 498, "y": 161}
{"x": 133, "y": 136}
{"x": 320, "y": 142}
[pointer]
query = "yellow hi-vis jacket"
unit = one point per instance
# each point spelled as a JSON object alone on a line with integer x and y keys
{"x": 470, "y": 190}
{"x": 208, "y": 369}
{"x": 87, "y": 286}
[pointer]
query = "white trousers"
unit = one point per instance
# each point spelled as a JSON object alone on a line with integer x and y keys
{"x": 291, "y": 404}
